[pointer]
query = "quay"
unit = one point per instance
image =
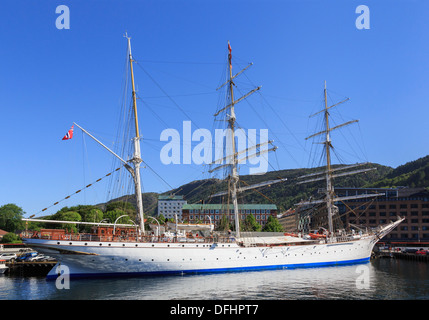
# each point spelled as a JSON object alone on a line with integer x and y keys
{"x": 33, "y": 268}
{"x": 386, "y": 253}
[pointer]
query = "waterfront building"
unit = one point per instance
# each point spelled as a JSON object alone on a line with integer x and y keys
{"x": 203, "y": 213}
{"x": 288, "y": 220}
{"x": 170, "y": 205}
{"x": 411, "y": 203}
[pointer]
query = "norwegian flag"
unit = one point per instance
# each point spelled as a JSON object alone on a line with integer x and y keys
{"x": 229, "y": 55}
{"x": 69, "y": 134}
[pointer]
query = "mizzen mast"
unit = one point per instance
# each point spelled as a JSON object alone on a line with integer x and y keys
{"x": 136, "y": 160}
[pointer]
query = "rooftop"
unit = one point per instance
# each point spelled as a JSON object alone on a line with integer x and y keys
{"x": 220, "y": 206}
{"x": 169, "y": 197}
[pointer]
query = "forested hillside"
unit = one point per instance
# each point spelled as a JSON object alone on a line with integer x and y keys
{"x": 412, "y": 174}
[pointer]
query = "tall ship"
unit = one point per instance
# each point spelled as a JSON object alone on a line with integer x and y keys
{"x": 128, "y": 249}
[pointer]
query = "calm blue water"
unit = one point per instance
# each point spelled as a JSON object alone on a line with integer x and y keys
{"x": 380, "y": 279}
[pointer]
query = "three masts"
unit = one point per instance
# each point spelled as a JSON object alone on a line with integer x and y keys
{"x": 133, "y": 165}
{"x": 144, "y": 254}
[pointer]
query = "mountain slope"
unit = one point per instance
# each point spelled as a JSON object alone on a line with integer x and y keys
{"x": 412, "y": 174}
{"x": 286, "y": 194}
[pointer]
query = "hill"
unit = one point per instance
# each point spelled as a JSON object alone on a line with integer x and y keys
{"x": 413, "y": 174}
{"x": 286, "y": 194}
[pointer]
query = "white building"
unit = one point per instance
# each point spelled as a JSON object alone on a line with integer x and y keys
{"x": 170, "y": 205}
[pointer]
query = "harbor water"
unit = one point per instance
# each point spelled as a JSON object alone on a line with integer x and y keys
{"x": 379, "y": 279}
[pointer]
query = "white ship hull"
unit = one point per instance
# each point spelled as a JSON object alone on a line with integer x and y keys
{"x": 90, "y": 259}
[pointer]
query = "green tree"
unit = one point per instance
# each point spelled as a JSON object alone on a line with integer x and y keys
{"x": 250, "y": 224}
{"x": 273, "y": 225}
{"x": 125, "y": 207}
{"x": 94, "y": 215}
{"x": 69, "y": 216}
{"x": 161, "y": 219}
{"x": 11, "y": 238}
{"x": 224, "y": 224}
{"x": 114, "y": 214}
{"x": 10, "y": 217}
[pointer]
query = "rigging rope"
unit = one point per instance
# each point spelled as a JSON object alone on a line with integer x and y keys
{"x": 87, "y": 186}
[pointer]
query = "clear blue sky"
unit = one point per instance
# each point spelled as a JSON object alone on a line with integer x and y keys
{"x": 51, "y": 78}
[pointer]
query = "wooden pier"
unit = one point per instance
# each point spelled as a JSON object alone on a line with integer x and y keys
{"x": 35, "y": 268}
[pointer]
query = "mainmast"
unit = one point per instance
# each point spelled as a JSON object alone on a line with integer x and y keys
{"x": 136, "y": 160}
{"x": 231, "y": 125}
{"x": 232, "y": 160}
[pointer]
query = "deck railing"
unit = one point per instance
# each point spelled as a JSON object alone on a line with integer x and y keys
{"x": 161, "y": 239}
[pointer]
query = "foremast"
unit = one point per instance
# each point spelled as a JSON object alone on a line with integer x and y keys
{"x": 328, "y": 175}
{"x": 329, "y": 187}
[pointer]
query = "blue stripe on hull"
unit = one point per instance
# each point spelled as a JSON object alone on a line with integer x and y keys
{"x": 216, "y": 270}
